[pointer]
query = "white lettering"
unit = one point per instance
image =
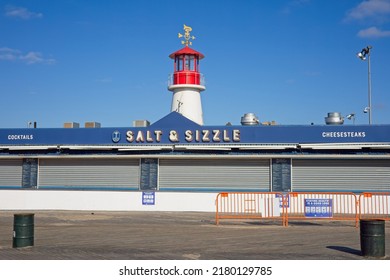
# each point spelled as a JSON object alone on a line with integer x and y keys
{"x": 140, "y": 137}
{"x": 216, "y": 134}
{"x": 205, "y": 137}
{"x": 158, "y": 134}
{"x": 130, "y": 136}
{"x": 149, "y": 137}
{"x": 236, "y": 135}
{"x": 173, "y": 136}
{"x": 20, "y": 137}
{"x": 226, "y": 136}
{"x": 197, "y": 136}
{"x": 341, "y": 134}
{"x": 188, "y": 135}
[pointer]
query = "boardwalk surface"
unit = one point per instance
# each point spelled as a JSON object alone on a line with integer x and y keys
{"x": 65, "y": 235}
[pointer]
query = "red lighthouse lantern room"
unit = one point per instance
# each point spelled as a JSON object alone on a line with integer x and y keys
{"x": 186, "y": 66}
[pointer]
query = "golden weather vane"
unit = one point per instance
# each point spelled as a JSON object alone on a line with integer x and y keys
{"x": 187, "y": 36}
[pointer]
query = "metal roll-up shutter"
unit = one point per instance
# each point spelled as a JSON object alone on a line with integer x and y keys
{"x": 11, "y": 172}
{"x": 214, "y": 174}
{"x": 89, "y": 173}
{"x": 341, "y": 175}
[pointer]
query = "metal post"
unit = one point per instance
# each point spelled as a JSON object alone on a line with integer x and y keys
{"x": 369, "y": 89}
{"x": 362, "y": 55}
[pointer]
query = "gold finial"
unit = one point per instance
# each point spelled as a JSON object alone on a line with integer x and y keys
{"x": 187, "y": 36}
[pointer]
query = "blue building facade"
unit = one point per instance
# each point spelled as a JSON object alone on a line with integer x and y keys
{"x": 176, "y": 154}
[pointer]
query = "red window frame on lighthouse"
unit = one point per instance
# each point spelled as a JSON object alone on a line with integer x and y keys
{"x": 186, "y": 69}
{"x": 187, "y": 62}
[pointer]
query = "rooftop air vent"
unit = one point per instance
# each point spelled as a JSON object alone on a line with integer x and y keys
{"x": 334, "y": 118}
{"x": 249, "y": 119}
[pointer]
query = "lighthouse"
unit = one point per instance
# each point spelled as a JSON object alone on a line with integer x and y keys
{"x": 187, "y": 82}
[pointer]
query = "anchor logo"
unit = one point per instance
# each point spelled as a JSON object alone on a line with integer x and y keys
{"x": 116, "y": 136}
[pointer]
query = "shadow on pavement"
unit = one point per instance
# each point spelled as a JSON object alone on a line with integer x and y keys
{"x": 345, "y": 249}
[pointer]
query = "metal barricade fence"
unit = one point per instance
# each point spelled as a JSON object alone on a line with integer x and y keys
{"x": 328, "y": 205}
{"x": 374, "y": 205}
{"x": 303, "y": 205}
{"x": 253, "y": 205}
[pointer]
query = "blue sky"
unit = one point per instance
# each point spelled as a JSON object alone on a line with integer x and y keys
{"x": 107, "y": 61}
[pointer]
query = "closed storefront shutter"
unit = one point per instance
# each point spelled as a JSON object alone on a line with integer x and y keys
{"x": 11, "y": 173}
{"x": 214, "y": 174}
{"x": 341, "y": 175}
{"x": 89, "y": 173}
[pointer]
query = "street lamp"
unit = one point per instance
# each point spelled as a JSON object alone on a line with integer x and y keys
{"x": 365, "y": 53}
{"x": 351, "y": 117}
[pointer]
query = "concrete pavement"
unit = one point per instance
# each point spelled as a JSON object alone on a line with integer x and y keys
{"x": 65, "y": 235}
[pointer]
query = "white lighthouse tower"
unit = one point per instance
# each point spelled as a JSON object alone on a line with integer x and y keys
{"x": 187, "y": 82}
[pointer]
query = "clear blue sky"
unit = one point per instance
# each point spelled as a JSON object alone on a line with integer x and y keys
{"x": 107, "y": 61}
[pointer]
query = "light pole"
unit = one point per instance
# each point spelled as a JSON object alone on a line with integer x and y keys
{"x": 351, "y": 117}
{"x": 365, "y": 53}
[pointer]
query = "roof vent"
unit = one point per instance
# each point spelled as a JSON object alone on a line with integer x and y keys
{"x": 334, "y": 118}
{"x": 249, "y": 119}
{"x": 92, "y": 125}
{"x": 141, "y": 123}
{"x": 71, "y": 125}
